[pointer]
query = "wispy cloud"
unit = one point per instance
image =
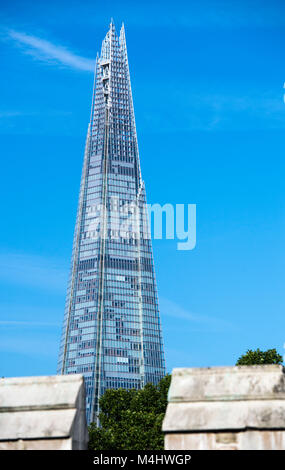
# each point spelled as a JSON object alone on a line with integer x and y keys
{"x": 172, "y": 309}
{"x": 10, "y": 114}
{"x": 44, "y": 50}
{"x": 6, "y": 114}
{"x": 30, "y": 345}
{"x": 30, "y": 329}
{"x": 192, "y": 110}
{"x": 16, "y": 323}
{"x": 34, "y": 271}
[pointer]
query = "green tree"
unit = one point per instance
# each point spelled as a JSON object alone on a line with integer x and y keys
{"x": 131, "y": 419}
{"x": 270, "y": 356}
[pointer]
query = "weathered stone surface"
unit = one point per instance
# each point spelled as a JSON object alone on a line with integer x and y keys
{"x": 48, "y": 411}
{"x": 225, "y": 415}
{"x": 247, "y": 440}
{"x": 226, "y": 407}
{"x": 227, "y": 383}
{"x": 37, "y": 444}
{"x": 43, "y": 392}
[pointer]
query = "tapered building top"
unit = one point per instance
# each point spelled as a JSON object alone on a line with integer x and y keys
{"x": 111, "y": 331}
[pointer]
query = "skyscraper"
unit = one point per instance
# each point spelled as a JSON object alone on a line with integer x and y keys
{"x": 111, "y": 330}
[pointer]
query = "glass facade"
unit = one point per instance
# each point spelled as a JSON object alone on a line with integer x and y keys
{"x": 111, "y": 330}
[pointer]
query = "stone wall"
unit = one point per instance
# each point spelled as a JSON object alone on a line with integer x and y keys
{"x": 43, "y": 413}
{"x": 226, "y": 408}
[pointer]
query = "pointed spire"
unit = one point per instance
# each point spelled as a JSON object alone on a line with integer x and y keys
{"x": 122, "y": 37}
{"x": 94, "y": 87}
{"x": 112, "y": 25}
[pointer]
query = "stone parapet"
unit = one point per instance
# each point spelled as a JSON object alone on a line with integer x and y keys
{"x": 43, "y": 413}
{"x": 240, "y": 407}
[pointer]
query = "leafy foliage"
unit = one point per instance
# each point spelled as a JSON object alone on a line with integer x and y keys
{"x": 270, "y": 356}
{"x": 131, "y": 419}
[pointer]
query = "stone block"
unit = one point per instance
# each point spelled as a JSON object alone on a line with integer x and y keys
{"x": 240, "y": 407}
{"x": 43, "y": 413}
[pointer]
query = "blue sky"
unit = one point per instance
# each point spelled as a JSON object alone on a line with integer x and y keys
{"x": 207, "y": 81}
